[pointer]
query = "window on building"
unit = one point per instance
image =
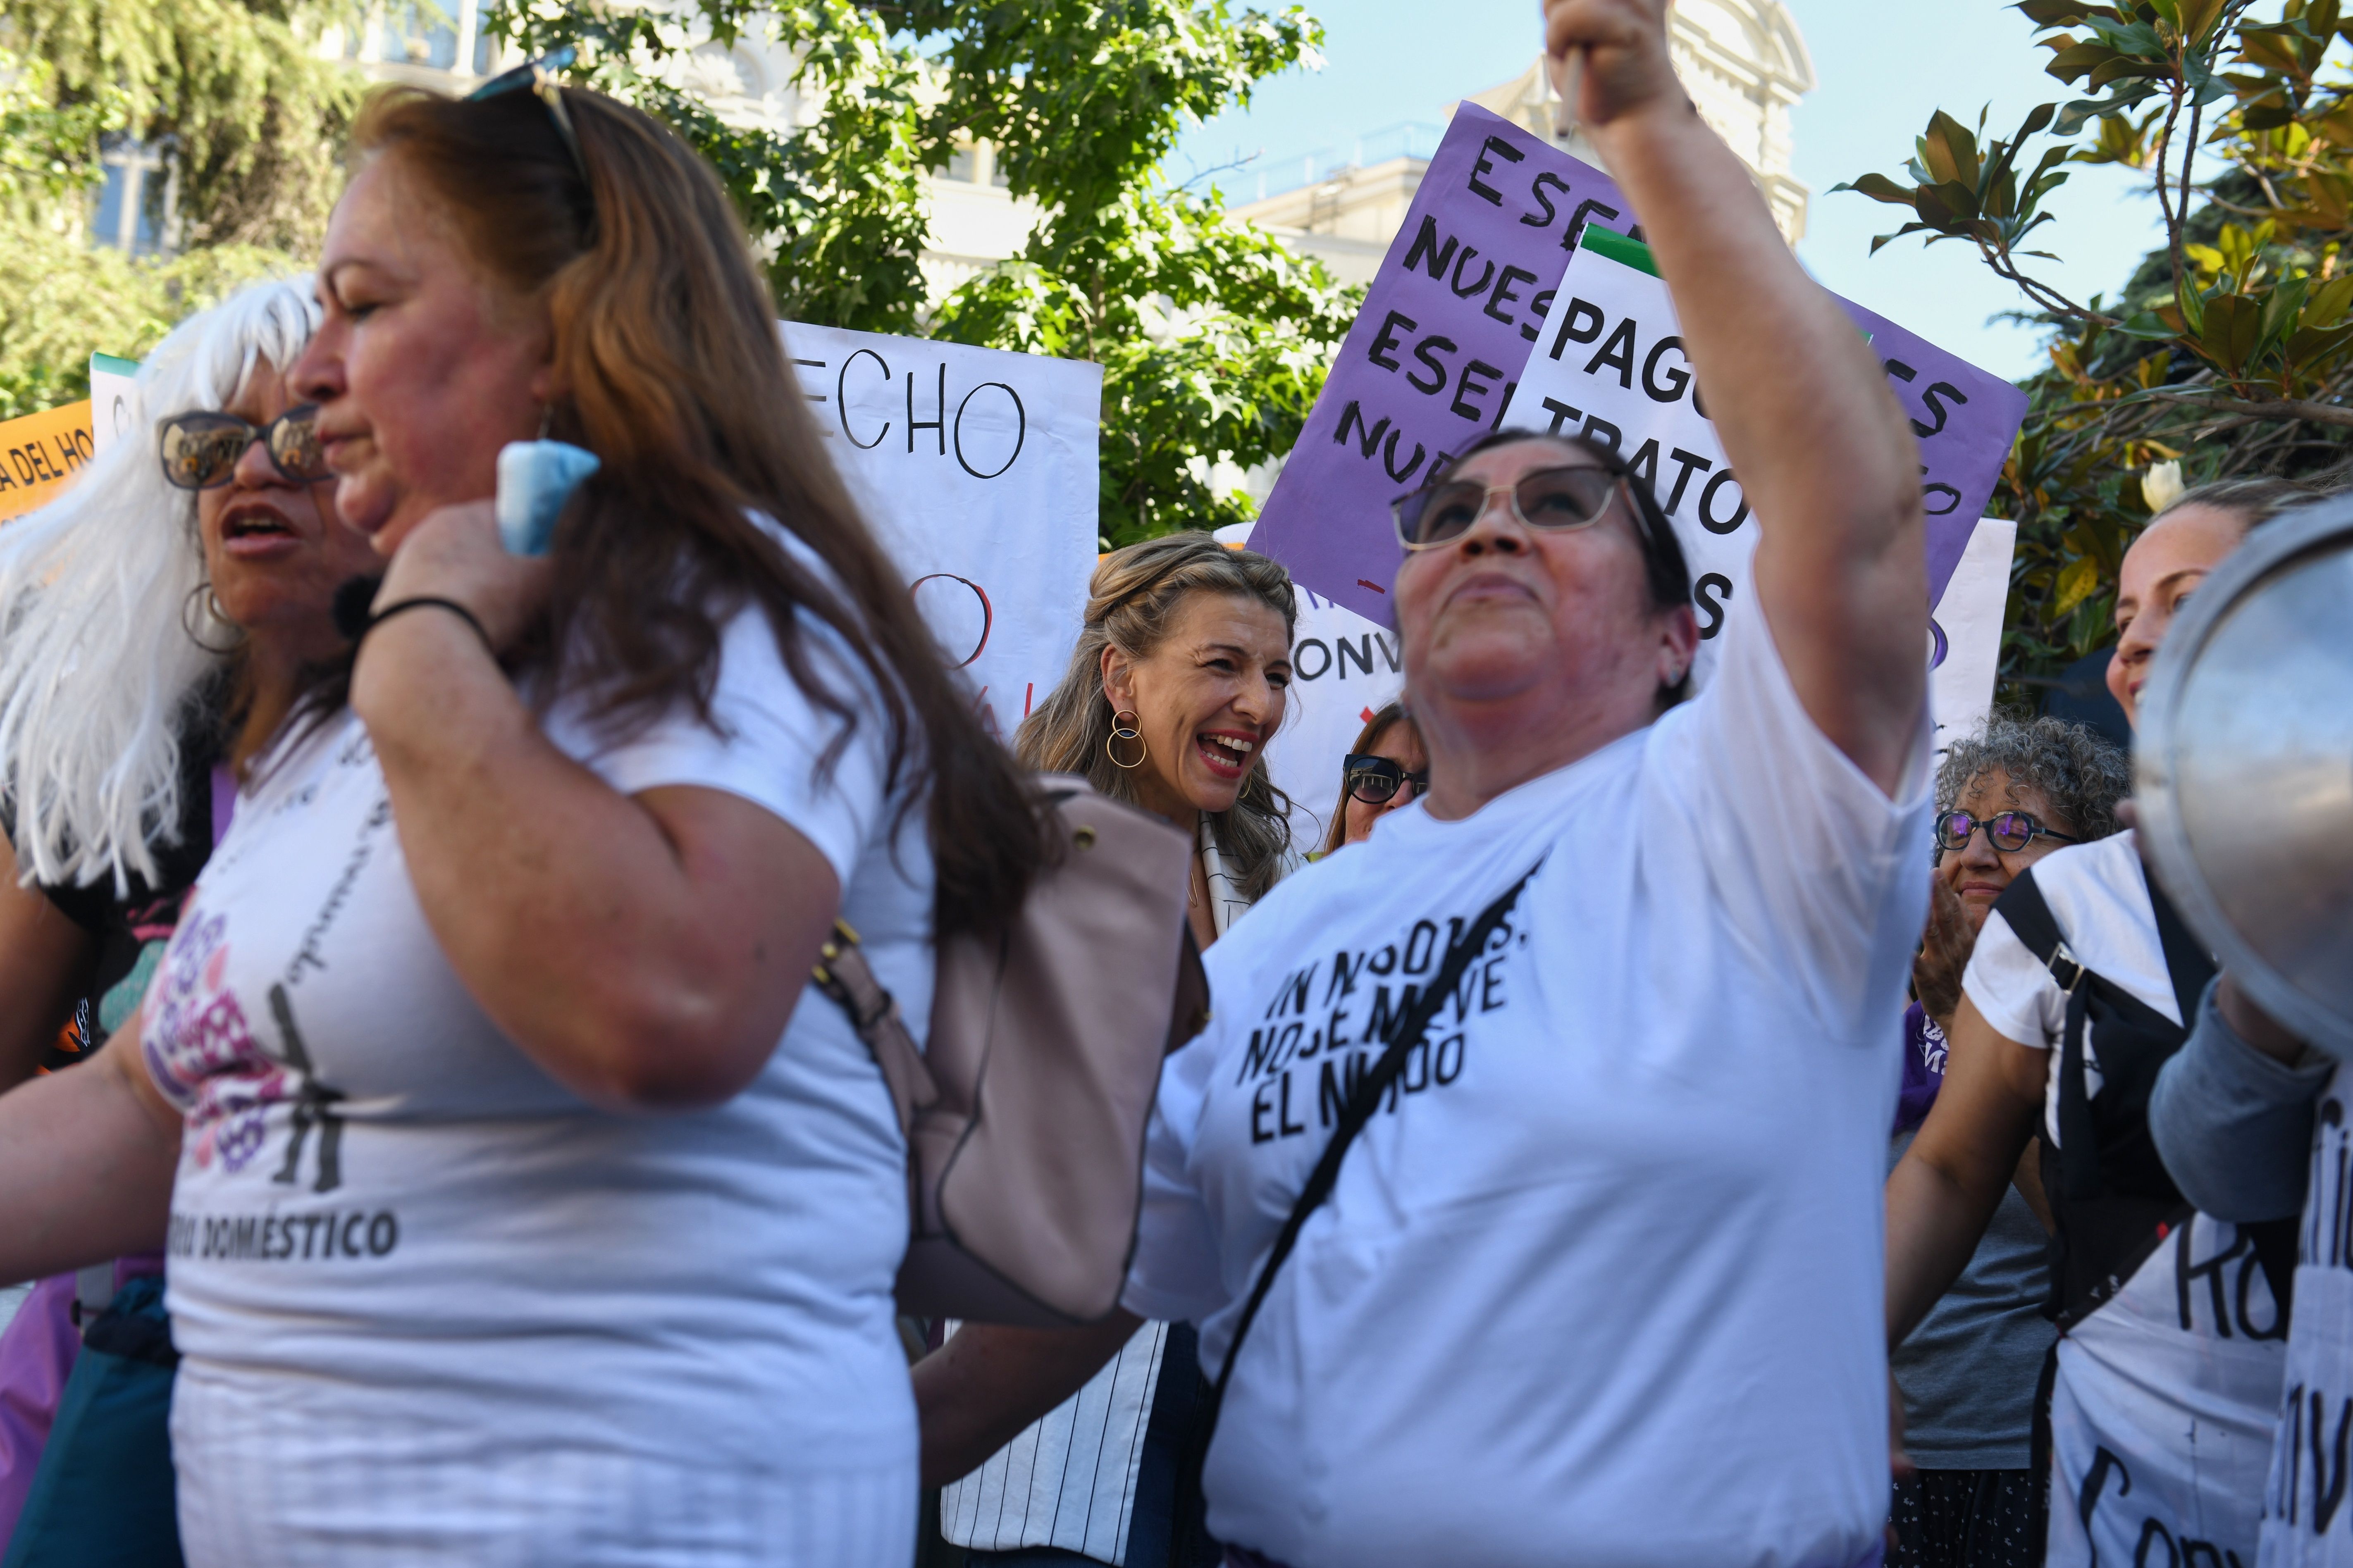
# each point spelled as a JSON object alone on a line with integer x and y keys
{"x": 421, "y": 33}
{"x": 134, "y": 209}
{"x": 486, "y": 47}
{"x": 962, "y": 163}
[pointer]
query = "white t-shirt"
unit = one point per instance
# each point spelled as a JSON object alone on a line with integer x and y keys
{"x": 2099, "y": 897}
{"x": 2162, "y": 1408}
{"x": 2307, "y": 1507}
{"x": 1606, "y": 1284}
{"x": 434, "y": 1306}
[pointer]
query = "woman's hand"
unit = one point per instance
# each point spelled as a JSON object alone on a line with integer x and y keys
{"x": 1623, "y": 43}
{"x": 455, "y": 553}
{"x": 1944, "y": 954}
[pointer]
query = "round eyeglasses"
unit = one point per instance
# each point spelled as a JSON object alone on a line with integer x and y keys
{"x": 1552, "y": 498}
{"x": 2009, "y": 831}
{"x": 1375, "y": 780}
{"x": 201, "y": 449}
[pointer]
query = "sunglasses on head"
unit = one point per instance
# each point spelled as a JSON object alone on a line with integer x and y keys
{"x": 200, "y": 449}
{"x": 1556, "y": 499}
{"x": 2009, "y": 831}
{"x": 1373, "y": 780}
{"x": 538, "y": 78}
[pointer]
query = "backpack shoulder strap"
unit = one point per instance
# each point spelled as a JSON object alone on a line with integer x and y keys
{"x": 2023, "y": 908}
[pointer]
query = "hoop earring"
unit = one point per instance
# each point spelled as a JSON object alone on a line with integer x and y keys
{"x": 203, "y": 597}
{"x": 1127, "y": 731}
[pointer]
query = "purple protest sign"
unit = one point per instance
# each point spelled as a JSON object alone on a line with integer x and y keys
{"x": 1966, "y": 419}
{"x": 1445, "y": 336}
{"x": 1430, "y": 362}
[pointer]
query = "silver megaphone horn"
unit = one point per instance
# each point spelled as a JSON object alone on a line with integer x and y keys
{"x": 2245, "y": 768}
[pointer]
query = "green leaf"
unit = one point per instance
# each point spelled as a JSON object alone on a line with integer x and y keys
{"x": 1879, "y": 188}
{"x": 2076, "y": 581}
{"x": 1950, "y": 152}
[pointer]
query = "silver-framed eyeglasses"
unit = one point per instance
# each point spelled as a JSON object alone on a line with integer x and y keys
{"x": 1553, "y": 499}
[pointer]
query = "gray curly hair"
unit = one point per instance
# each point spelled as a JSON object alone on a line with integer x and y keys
{"x": 2080, "y": 774}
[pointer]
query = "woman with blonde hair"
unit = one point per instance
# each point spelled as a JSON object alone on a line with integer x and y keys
{"x": 1177, "y": 683}
{"x": 523, "y": 1202}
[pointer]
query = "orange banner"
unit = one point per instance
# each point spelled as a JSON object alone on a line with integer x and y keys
{"x": 39, "y": 454}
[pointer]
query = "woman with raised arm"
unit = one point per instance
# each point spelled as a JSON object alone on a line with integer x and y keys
{"x": 2163, "y": 1386}
{"x": 1614, "y": 1010}
{"x": 1178, "y": 681}
{"x": 524, "y": 1201}
{"x": 159, "y": 617}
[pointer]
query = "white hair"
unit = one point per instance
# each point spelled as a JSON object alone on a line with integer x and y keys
{"x": 103, "y": 601}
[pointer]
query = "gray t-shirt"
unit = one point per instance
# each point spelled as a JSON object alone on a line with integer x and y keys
{"x": 1969, "y": 1370}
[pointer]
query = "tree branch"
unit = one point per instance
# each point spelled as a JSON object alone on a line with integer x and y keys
{"x": 2270, "y": 410}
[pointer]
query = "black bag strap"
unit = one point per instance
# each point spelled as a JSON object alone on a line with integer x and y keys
{"x": 1362, "y": 1102}
{"x": 2023, "y": 908}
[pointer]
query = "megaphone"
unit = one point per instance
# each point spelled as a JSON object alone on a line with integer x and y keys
{"x": 2244, "y": 769}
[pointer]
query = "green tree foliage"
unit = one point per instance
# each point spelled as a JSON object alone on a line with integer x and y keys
{"x": 250, "y": 120}
{"x": 1213, "y": 338}
{"x": 2231, "y": 349}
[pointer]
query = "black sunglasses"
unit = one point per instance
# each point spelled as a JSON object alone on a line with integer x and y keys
{"x": 2009, "y": 831}
{"x": 1553, "y": 499}
{"x": 538, "y": 78}
{"x": 1373, "y": 780}
{"x": 200, "y": 449}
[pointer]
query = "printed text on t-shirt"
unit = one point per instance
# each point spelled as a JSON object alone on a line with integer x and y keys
{"x": 1327, "y": 1022}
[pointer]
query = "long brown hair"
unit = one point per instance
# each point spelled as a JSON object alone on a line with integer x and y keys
{"x": 1131, "y": 602}
{"x": 670, "y": 368}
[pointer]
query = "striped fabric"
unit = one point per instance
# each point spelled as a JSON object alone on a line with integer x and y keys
{"x": 274, "y": 1473}
{"x": 1069, "y": 1479}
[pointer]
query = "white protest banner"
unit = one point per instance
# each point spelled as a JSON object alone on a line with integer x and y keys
{"x": 1964, "y": 634}
{"x": 1613, "y": 368}
{"x": 113, "y": 398}
{"x": 977, "y": 470}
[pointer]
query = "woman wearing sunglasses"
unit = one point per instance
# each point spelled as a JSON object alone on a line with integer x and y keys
{"x": 2007, "y": 797}
{"x": 2165, "y": 1381}
{"x": 1608, "y": 1022}
{"x": 522, "y": 1204}
{"x": 1385, "y": 770}
{"x": 1176, "y": 685}
{"x": 160, "y": 613}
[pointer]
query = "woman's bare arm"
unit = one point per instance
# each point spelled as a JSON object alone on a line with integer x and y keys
{"x": 645, "y": 950}
{"x": 976, "y": 1393}
{"x": 87, "y": 1158}
{"x": 1944, "y": 1190}
{"x": 1824, "y": 452}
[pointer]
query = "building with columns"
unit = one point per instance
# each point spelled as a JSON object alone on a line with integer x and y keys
{"x": 1742, "y": 61}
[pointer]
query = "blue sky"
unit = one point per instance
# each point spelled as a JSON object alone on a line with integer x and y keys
{"x": 1882, "y": 66}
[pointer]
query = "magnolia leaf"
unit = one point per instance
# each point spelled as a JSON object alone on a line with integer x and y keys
{"x": 2076, "y": 581}
{"x": 2074, "y": 60}
{"x": 1879, "y": 188}
{"x": 1949, "y": 151}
